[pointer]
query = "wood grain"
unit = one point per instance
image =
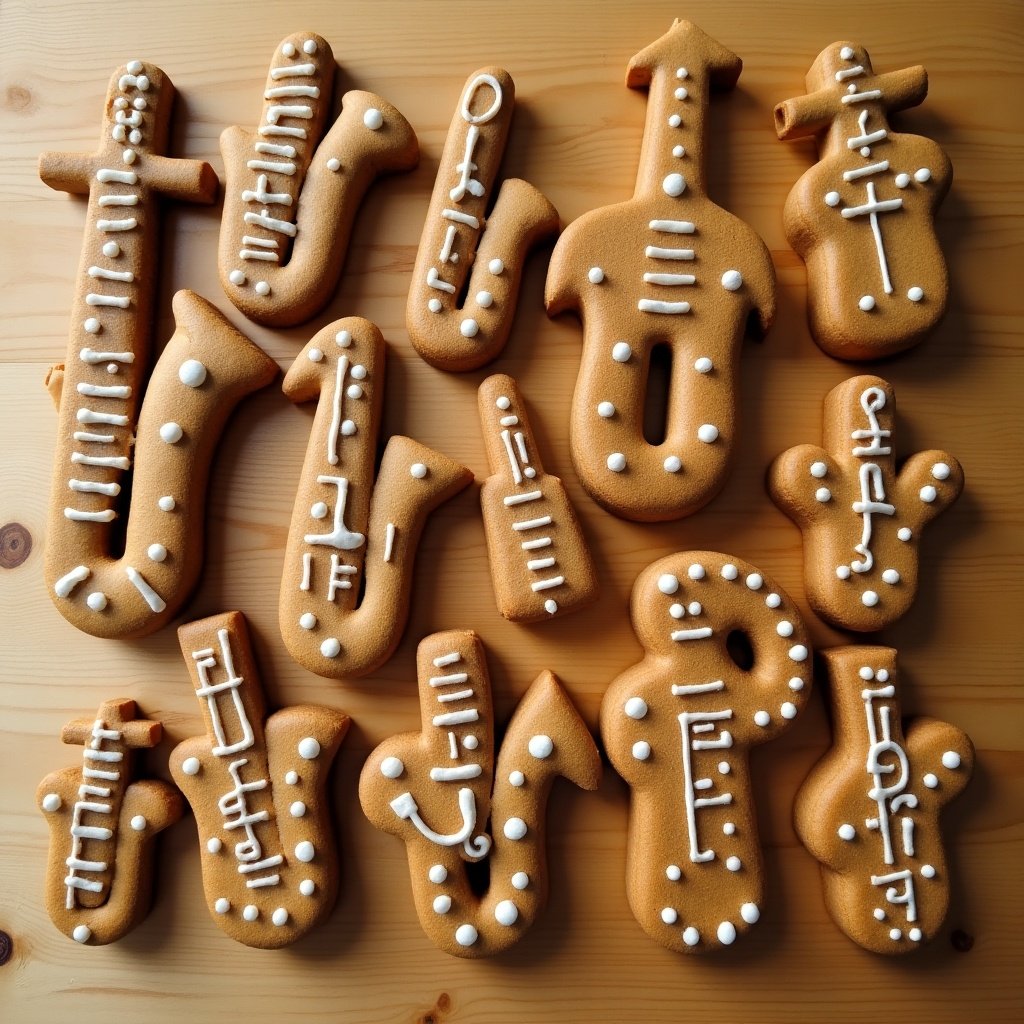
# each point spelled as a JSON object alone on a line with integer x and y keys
{"x": 576, "y": 136}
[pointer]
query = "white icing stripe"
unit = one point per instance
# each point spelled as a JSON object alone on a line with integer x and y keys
{"x": 455, "y": 677}
{"x": 653, "y": 306}
{"x": 77, "y": 864}
{"x": 389, "y": 541}
{"x": 67, "y": 583}
{"x": 866, "y": 140}
{"x": 109, "y": 174}
{"x": 74, "y": 882}
{"x": 89, "y": 487}
{"x": 518, "y": 499}
{"x": 263, "y": 243}
{"x": 109, "y": 756}
{"x": 292, "y": 71}
{"x": 862, "y": 172}
{"x": 257, "y": 254}
{"x": 85, "y": 435}
{"x": 261, "y": 195}
{"x": 509, "y": 421}
{"x": 435, "y": 282}
{"x": 517, "y": 475}
{"x": 105, "y": 390}
{"x": 532, "y": 524}
{"x": 258, "y": 883}
{"x": 78, "y": 516}
{"x": 691, "y": 689}
{"x": 94, "y": 299}
{"x": 129, "y": 200}
{"x": 91, "y": 356}
{"x": 701, "y": 633}
{"x": 97, "y": 773}
{"x": 149, "y": 595}
{"x": 271, "y": 224}
{"x": 270, "y": 165}
{"x": 128, "y": 224}
{"x": 260, "y": 865}
{"x": 469, "y": 771}
{"x": 112, "y": 275}
{"x": 461, "y": 218}
{"x": 860, "y": 97}
{"x": 91, "y": 831}
{"x": 675, "y": 227}
{"x": 457, "y": 718}
{"x": 448, "y": 698}
{"x": 335, "y": 427}
{"x": 447, "y": 659}
{"x": 872, "y": 206}
{"x": 107, "y": 461}
{"x": 532, "y": 545}
{"x": 669, "y": 279}
{"x": 555, "y": 581}
{"x": 282, "y": 129}
{"x": 655, "y": 252}
{"x": 275, "y": 149}
{"x": 276, "y": 112}
{"x": 91, "y": 416}
{"x": 843, "y": 73}
{"x": 536, "y": 564}
{"x": 282, "y": 91}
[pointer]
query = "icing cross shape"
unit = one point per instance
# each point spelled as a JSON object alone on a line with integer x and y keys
{"x": 869, "y": 810}
{"x": 861, "y": 519}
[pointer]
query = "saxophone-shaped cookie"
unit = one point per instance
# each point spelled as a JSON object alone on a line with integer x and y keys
{"x": 678, "y": 727}
{"x": 667, "y": 267}
{"x": 289, "y": 203}
{"x": 99, "y": 874}
{"x": 446, "y": 334}
{"x": 861, "y": 520}
{"x": 863, "y": 217}
{"x": 344, "y": 524}
{"x": 540, "y": 562}
{"x": 258, "y": 789}
{"x": 869, "y": 810}
{"x": 438, "y": 789}
{"x": 105, "y": 427}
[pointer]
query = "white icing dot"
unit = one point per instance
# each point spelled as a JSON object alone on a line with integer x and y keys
{"x": 121, "y": 104}
{"x": 798, "y": 653}
{"x": 843, "y": 572}
{"x": 236, "y": 277}
{"x": 315, "y": 355}
{"x": 865, "y": 151}
{"x": 166, "y": 503}
{"x": 788, "y": 710}
{"x": 621, "y": 352}
{"x": 869, "y": 599}
{"x": 914, "y": 935}
{"x": 520, "y": 880}
{"x": 506, "y": 913}
{"x": 677, "y": 611}
{"x": 678, "y": 151}
{"x": 343, "y": 339}
{"x": 171, "y": 433}
{"x": 417, "y": 470}
{"x": 434, "y": 305}
{"x": 605, "y": 410}
{"x": 674, "y": 185}
{"x": 879, "y": 914}
{"x": 442, "y": 904}
{"x": 762, "y": 718}
{"x": 331, "y": 647}
{"x": 292, "y": 778}
{"x": 92, "y": 325}
{"x": 540, "y": 747}
{"x": 466, "y": 935}
{"x": 471, "y": 743}
{"x": 297, "y": 809}
{"x": 307, "y": 887}
{"x": 279, "y": 917}
{"x": 696, "y": 571}
{"x": 113, "y": 368}
{"x": 668, "y": 583}
{"x": 694, "y": 608}
{"x": 931, "y": 781}
{"x": 616, "y": 462}
{"x": 703, "y": 365}
{"x": 950, "y": 760}
{"x": 755, "y": 581}
{"x": 773, "y": 601}
{"x": 261, "y": 288}
{"x": 927, "y": 871}
{"x": 307, "y": 620}
{"x": 636, "y": 707}
{"x": 595, "y": 275}
{"x": 922, "y": 174}
{"x": 135, "y": 137}
{"x": 138, "y": 823}
{"x": 156, "y": 552}
{"x": 818, "y": 470}
{"x": 902, "y": 180}
{"x": 882, "y": 675}
{"x": 373, "y": 119}
{"x": 673, "y": 872}
{"x": 940, "y": 471}
{"x": 190, "y": 766}
{"x": 213, "y": 844}
{"x": 681, "y": 73}
{"x": 915, "y": 294}
{"x": 851, "y": 89}
{"x": 895, "y": 934}
{"x": 732, "y": 280}
{"x": 358, "y": 371}
{"x": 334, "y": 164}
{"x": 516, "y": 779}
{"x": 866, "y": 303}
{"x": 288, "y": 50}
{"x": 831, "y": 198}
{"x": 437, "y": 874}
{"x": 681, "y": 93}
{"x": 750, "y": 912}
{"x": 305, "y": 851}
{"x": 928, "y": 494}
{"x": 128, "y": 156}
{"x": 890, "y": 576}
{"x": 691, "y": 936}
{"x": 846, "y": 831}
{"x": 82, "y": 933}
{"x": 724, "y": 768}
{"x": 469, "y": 328}
{"x": 391, "y": 767}
{"x": 866, "y": 672}
{"x": 348, "y": 428}
{"x": 503, "y": 403}
{"x": 222, "y": 906}
{"x": 904, "y": 533}
{"x": 707, "y": 432}
{"x": 134, "y": 66}
{"x": 672, "y": 464}
{"x": 641, "y": 750}
{"x": 796, "y": 684}
{"x": 309, "y": 748}
{"x": 52, "y": 802}
{"x": 251, "y": 912}
{"x": 515, "y": 828}
{"x": 823, "y": 494}
{"x": 669, "y": 916}
{"x": 97, "y": 601}
{"x": 846, "y": 53}
{"x": 309, "y": 46}
{"x": 729, "y": 828}
{"x": 727, "y": 933}
{"x": 729, "y": 571}
{"x": 496, "y": 267}
{"x": 784, "y": 628}
{"x": 111, "y": 249}
{"x": 354, "y": 391}
{"x": 733, "y": 863}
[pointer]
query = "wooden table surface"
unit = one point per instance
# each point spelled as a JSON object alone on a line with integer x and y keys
{"x": 576, "y": 136}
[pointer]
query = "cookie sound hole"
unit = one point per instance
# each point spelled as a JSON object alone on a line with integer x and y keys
{"x": 659, "y": 384}
{"x": 740, "y": 649}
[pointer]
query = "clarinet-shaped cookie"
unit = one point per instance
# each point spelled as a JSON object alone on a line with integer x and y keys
{"x": 447, "y": 335}
{"x": 289, "y": 203}
{"x": 667, "y": 267}
{"x": 861, "y": 520}
{"x": 99, "y": 875}
{"x": 540, "y": 562}
{"x": 862, "y": 218}
{"x": 678, "y": 727}
{"x": 437, "y": 789}
{"x": 344, "y": 524}
{"x": 869, "y": 810}
{"x": 258, "y": 789}
{"x": 205, "y": 369}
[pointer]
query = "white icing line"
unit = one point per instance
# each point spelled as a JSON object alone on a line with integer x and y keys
{"x": 555, "y": 581}
{"x": 861, "y": 172}
{"x": 654, "y": 306}
{"x": 532, "y": 545}
{"x": 67, "y": 583}
{"x": 149, "y": 595}
{"x": 457, "y": 717}
{"x": 669, "y": 279}
{"x": 701, "y": 633}
{"x": 675, "y": 227}
{"x": 449, "y": 680}
{"x": 448, "y": 698}
{"x": 518, "y": 499}
{"x": 696, "y": 688}
{"x": 531, "y": 524}
{"x": 655, "y": 252}
{"x": 469, "y": 771}
{"x": 447, "y": 659}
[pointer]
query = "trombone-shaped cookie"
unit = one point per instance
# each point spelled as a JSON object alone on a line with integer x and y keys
{"x": 289, "y": 203}
{"x": 352, "y": 543}
{"x": 540, "y": 562}
{"x": 860, "y": 518}
{"x": 258, "y": 789}
{"x": 862, "y": 218}
{"x": 869, "y": 810}
{"x": 678, "y": 727}
{"x": 449, "y": 263}
{"x": 99, "y": 874}
{"x": 438, "y": 790}
{"x": 104, "y": 426}
{"x": 666, "y": 267}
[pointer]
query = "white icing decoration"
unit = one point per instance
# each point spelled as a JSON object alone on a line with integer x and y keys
{"x": 605, "y": 410}
{"x": 373, "y": 119}
{"x": 192, "y": 373}
{"x": 190, "y": 766}
{"x": 506, "y": 913}
{"x": 309, "y": 749}
{"x": 392, "y": 768}
{"x": 595, "y": 275}
{"x": 915, "y": 294}
{"x": 674, "y": 185}
{"x": 52, "y": 802}
{"x": 466, "y": 935}
{"x": 673, "y": 464}
{"x": 866, "y": 303}
{"x": 641, "y": 750}
{"x": 703, "y": 365}
{"x": 635, "y": 707}
{"x": 732, "y": 280}
{"x": 541, "y": 747}
{"x": 514, "y": 829}
{"x": 307, "y": 887}
{"x": 951, "y": 760}
{"x": 621, "y": 352}
{"x": 616, "y": 462}
{"x": 708, "y": 433}
{"x": 305, "y": 851}
{"x": 171, "y": 433}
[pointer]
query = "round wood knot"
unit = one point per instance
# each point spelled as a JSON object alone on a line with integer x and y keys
{"x": 15, "y": 545}
{"x": 962, "y": 942}
{"x": 436, "y": 1015}
{"x": 6, "y": 948}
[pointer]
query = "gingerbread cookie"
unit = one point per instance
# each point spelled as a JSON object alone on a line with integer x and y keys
{"x": 99, "y": 874}
{"x": 862, "y": 219}
{"x": 681, "y": 722}
{"x": 666, "y": 268}
{"x": 206, "y": 368}
{"x": 344, "y": 525}
{"x": 438, "y": 789}
{"x": 258, "y": 788}
{"x": 289, "y": 203}
{"x": 876, "y": 832}
{"x": 446, "y": 334}
{"x": 861, "y": 520}
{"x": 540, "y": 562}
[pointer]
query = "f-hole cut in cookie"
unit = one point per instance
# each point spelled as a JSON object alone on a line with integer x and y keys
{"x": 740, "y": 649}
{"x": 658, "y": 393}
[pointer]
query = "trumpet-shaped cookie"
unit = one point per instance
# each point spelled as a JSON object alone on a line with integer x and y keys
{"x": 861, "y": 519}
{"x": 665, "y": 268}
{"x": 863, "y": 217}
{"x": 869, "y": 810}
{"x": 678, "y": 727}
{"x": 441, "y": 789}
{"x": 540, "y": 562}
{"x": 463, "y": 251}
{"x": 99, "y": 874}
{"x": 258, "y": 789}
{"x": 352, "y": 543}
{"x": 289, "y": 197}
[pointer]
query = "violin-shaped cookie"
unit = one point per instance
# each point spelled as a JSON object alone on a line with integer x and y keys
{"x": 869, "y": 810}
{"x": 99, "y": 875}
{"x": 105, "y": 427}
{"x": 665, "y": 268}
{"x": 861, "y": 519}
{"x": 449, "y": 332}
{"x": 678, "y": 727}
{"x": 258, "y": 789}
{"x": 862, "y": 218}
{"x": 344, "y": 524}
{"x": 439, "y": 790}
{"x": 289, "y": 203}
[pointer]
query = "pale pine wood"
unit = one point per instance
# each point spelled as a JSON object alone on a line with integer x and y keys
{"x": 576, "y": 135}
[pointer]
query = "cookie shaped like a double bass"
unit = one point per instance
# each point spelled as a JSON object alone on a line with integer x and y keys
{"x": 105, "y": 428}
{"x": 667, "y": 267}
{"x": 289, "y": 203}
{"x": 678, "y": 727}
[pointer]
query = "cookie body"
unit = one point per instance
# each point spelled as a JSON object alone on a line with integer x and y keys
{"x": 438, "y": 788}
{"x": 678, "y": 727}
{"x": 99, "y": 874}
{"x": 861, "y": 519}
{"x": 258, "y": 789}
{"x": 290, "y": 197}
{"x": 667, "y": 267}
{"x": 862, "y": 218}
{"x": 876, "y": 832}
